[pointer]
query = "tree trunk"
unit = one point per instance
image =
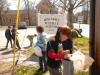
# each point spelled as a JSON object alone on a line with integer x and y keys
{"x": 0, "y": 19}
{"x": 69, "y": 18}
{"x": 92, "y": 48}
{"x": 95, "y": 36}
{"x": 28, "y": 11}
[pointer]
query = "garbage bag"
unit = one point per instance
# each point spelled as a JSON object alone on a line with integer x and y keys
{"x": 80, "y": 61}
{"x": 38, "y": 51}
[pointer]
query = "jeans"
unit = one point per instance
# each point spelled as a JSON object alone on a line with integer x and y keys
{"x": 42, "y": 61}
{"x": 17, "y": 42}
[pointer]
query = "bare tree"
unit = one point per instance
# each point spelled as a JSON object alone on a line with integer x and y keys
{"x": 3, "y": 9}
{"x": 29, "y": 6}
{"x": 69, "y": 6}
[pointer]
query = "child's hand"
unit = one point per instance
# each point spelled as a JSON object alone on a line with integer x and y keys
{"x": 66, "y": 52}
{"x": 67, "y": 56}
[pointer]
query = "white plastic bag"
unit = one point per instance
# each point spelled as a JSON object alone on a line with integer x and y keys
{"x": 38, "y": 51}
{"x": 81, "y": 62}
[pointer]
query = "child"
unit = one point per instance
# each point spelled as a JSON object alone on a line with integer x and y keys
{"x": 13, "y": 31}
{"x": 41, "y": 42}
{"x": 8, "y": 36}
{"x": 67, "y": 44}
{"x": 56, "y": 51}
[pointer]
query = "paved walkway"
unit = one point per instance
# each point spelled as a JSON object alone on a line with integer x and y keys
{"x": 6, "y": 56}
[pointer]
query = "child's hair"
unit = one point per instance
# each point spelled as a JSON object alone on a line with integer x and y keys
{"x": 66, "y": 31}
{"x": 40, "y": 29}
{"x": 13, "y": 26}
{"x": 57, "y": 36}
{"x": 9, "y": 26}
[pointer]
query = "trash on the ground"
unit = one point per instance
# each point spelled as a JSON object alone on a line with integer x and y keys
{"x": 81, "y": 62}
{"x": 37, "y": 51}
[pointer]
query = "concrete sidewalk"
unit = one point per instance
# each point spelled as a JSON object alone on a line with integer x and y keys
{"x": 6, "y": 56}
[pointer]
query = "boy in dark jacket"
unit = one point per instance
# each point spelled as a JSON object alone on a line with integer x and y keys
{"x": 13, "y": 37}
{"x": 8, "y": 36}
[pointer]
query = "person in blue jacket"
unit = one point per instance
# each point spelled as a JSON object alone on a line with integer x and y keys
{"x": 41, "y": 42}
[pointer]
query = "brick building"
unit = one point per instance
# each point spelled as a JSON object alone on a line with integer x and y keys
{"x": 44, "y": 7}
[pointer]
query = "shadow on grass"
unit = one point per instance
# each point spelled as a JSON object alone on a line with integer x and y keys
{"x": 27, "y": 47}
{"x": 38, "y": 73}
{"x": 8, "y": 52}
{"x": 2, "y": 49}
{"x": 33, "y": 58}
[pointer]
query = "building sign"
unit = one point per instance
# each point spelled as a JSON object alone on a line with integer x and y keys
{"x": 51, "y": 22}
{"x": 80, "y": 19}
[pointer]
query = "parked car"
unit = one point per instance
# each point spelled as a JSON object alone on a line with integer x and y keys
{"x": 22, "y": 25}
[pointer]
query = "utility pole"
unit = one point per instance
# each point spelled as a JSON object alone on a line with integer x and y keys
{"x": 92, "y": 35}
{"x": 95, "y": 36}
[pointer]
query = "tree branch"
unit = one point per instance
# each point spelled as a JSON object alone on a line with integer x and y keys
{"x": 59, "y": 6}
{"x": 81, "y": 3}
{"x": 65, "y": 4}
{"x": 74, "y": 3}
{"x": 55, "y": 1}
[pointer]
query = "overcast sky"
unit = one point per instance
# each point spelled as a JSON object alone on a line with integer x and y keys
{"x": 14, "y": 3}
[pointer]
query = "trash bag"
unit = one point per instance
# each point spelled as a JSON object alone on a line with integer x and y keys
{"x": 80, "y": 61}
{"x": 38, "y": 51}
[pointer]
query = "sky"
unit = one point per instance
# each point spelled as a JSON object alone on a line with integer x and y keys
{"x": 14, "y": 3}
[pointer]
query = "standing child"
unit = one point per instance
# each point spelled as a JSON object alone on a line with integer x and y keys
{"x": 67, "y": 44}
{"x": 56, "y": 53}
{"x": 13, "y": 37}
{"x": 41, "y": 42}
{"x": 8, "y": 36}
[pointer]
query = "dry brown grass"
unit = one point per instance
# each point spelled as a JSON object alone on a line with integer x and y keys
{"x": 5, "y": 69}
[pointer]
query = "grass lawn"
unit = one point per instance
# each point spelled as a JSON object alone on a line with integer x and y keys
{"x": 82, "y": 44}
{"x": 28, "y": 52}
{"x": 21, "y": 70}
{"x": 82, "y": 73}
